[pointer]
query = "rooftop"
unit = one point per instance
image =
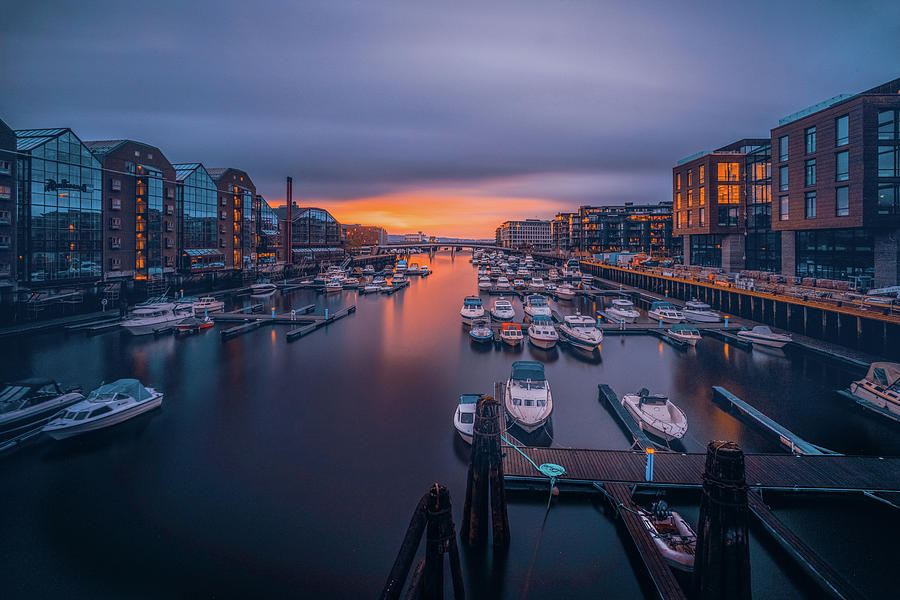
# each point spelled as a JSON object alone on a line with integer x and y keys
{"x": 885, "y": 89}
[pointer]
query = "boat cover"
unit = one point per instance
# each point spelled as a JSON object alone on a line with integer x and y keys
{"x": 128, "y": 387}
{"x": 472, "y": 302}
{"x": 659, "y": 305}
{"x": 884, "y": 374}
{"x": 528, "y": 369}
{"x": 682, "y": 327}
{"x": 469, "y": 398}
{"x": 762, "y": 330}
{"x": 542, "y": 320}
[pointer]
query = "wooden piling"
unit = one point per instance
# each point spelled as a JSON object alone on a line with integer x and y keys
{"x": 722, "y": 560}
{"x": 440, "y": 539}
{"x": 407, "y": 553}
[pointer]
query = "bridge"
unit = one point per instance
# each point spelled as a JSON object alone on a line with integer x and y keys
{"x": 439, "y": 245}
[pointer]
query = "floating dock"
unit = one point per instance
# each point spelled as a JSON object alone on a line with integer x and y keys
{"x": 299, "y": 332}
{"x": 639, "y": 438}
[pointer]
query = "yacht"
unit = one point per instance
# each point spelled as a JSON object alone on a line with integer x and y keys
{"x": 542, "y": 333}
{"x": 699, "y": 312}
{"x": 335, "y": 272}
{"x": 879, "y": 390}
{"x": 623, "y": 310}
{"x": 471, "y": 309}
{"x": 262, "y": 287}
{"x": 372, "y": 287}
{"x": 413, "y": 269}
{"x": 527, "y": 399}
{"x": 573, "y": 268}
{"x": 194, "y": 324}
{"x": 536, "y": 285}
{"x": 684, "y": 334}
{"x": 108, "y": 405}
{"x": 503, "y": 284}
{"x": 379, "y": 281}
{"x": 672, "y": 535}
{"x": 519, "y": 284}
{"x": 30, "y": 401}
{"x": 351, "y": 283}
{"x": 553, "y": 275}
{"x": 208, "y": 304}
{"x": 484, "y": 283}
{"x": 464, "y": 417}
{"x": 401, "y": 266}
{"x": 481, "y": 331}
{"x": 502, "y": 310}
{"x": 511, "y": 333}
{"x": 523, "y": 272}
{"x": 656, "y": 415}
{"x": 764, "y": 336}
{"x": 368, "y": 270}
{"x": 565, "y": 292}
{"x": 537, "y": 306}
{"x": 665, "y": 312}
{"x": 581, "y": 331}
{"x": 333, "y": 286}
{"x": 149, "y": 318}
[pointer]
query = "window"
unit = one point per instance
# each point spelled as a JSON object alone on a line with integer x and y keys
{"x": 221, "y": 243}
{"x": 5, "y": 192}
{"x": 810, "y": 205}
{"x": 729, "y": 194}
{"x": 887, "y": 161}
{"x": 728, "y": 171}
{"x": 5, "y": 167}
{"x": 809, "y": 138}
{"x": 137, "y": 153}
{"x": 842, "y": 166}
{"x": 842, "y": 131}
{"x": 170, "y": 193}
{"x": 888, "y": 199}
{"x": 784, "y": 212}
{"x": 783, "y": 178}
{"x": 690, "y": 177}
{"x": 115, "y": 264}
{"x": 842, "y": 202}
{"x": 677, "y": 199}
{"x": 169, "y": 226}
{"x": 702, "y": 196}
{"x": 728, "y": 216}
{"x": 783, "y": 148}
{"x": 701, "y": 174}
{"x": 115, "y": 243}
{"x": 702, "y": 217}
{"x": 116, "y": 185}
{"x": 690, "y": 197}
{"x": 115, "y": 203}
{"x": 170, "y": 209}
{"x": 887, "y": 120}
{"x": 810, "y": 170}
{"x": 4, "y": 217}
{"x": 5, "y": 241}
{"x": 678, "y": 220}
{"x": 224, "y": 214}
{"x": 168, "y": 242}
{"x": 835, "y": 253}
{"x": 689, "y": 224}
{"x": 224, "y": 201}
{"x": 115, "y": 223}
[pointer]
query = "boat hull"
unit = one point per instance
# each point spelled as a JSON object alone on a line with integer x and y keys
{"x": 699, "y": 317}
{"x": 764, "y": 342}
{"x": 511, "y": 341}
{"x": 692, "y": 341}
{"x": 148, "y": 328}
{"x": 545, "y": 343}
{"x": 622, "y": 316}
{"x": 647, "y": 427}
{"x": 21, "y": 419}
{"x": 665, "y": 319}
{"x": 577, "y": 341}
{"x": 114, "y": 419}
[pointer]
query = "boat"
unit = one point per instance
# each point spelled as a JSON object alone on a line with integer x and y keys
{"x": 572, "y": 268}
{"x": 764, "y": 336}
{"x": 537, "y": 306}
{"x": 484, "y": 283}
{"x": 333, "y": 286}
{"x": 536, "y": 285}
{"x": 413, "y": 269}
{"x": 472, "y": 309}
{"x": 425, "y": 271}
{"x": 262, "y": 287}
{"x": 379, "y": 281}
{"x": 27, "y": 402}
{"x": 464, "y": 417}
{"x": 879, "y": 390}
{"x": 372, "y": 287}
{"x": 108, "y": 405}
{"x": 527, "y": 399}
{"x": 208, "y": 304}
{"x": 351, "y": 283}
{"x": 152, "y": 317}
{"x": 684, "y": 334}
{"x": 368, "y": 270}
{"x": 503, "y": 284}
{"x": 502, "y": 309}
{"x": 542, "y": 333}
{"x": 565, "y": 292}
{"x": 194, "y": 324}
{"x": 586, "y": 278}
{"x": 519, "y": 284}
{"x": 623, "y": 310}
{"x": 399, "y": 278}
{"x": 656, "y": 415}
{"x": 320, "y": 279}
{"x": 550, "y": 287}
{"x": 511, "y": 333}
{"x": 665, "y": 312}
{"x": 481, "y": 331}
{"x": 401, "y": 266}
{"x": 523, "y": 272}
{"x": 699, "y": 312}
{"x": 335, "y": 272}
{"x": 581, "y": 331}
{"x": 672, "y": 535}
{"x": 553, "y": 275}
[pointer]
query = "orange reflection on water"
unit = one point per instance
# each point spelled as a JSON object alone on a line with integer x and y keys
{"x": 727, "y": 348}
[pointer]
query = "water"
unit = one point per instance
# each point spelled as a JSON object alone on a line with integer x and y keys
{"x": 292, "y": 469}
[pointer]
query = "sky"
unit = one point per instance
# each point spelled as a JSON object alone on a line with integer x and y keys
{"x": 445, "y": 117}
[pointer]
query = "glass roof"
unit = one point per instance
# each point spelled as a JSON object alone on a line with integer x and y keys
{"x": 183, "y": 170}
{"x": 202, "y": 252}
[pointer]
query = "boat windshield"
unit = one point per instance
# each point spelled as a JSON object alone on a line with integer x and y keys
{"x": 121, "y": 389}
{"x": 13, "y": 398}
{"x": 467, "y": 418}
{"x": 473, "y": 303}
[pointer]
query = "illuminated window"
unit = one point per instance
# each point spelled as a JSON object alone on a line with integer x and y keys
{"x": 690, "y": 177}
{"x": 690, "y": 193}
{"x": 728, "y": 171}
{"x": 702, "y": 217}
{"x": 783, "y": 148}
{"x": 5, "y": 192}
{"x": 701, "y": 175}
{"x": 842, "y": 166}
{"x": 809, "y": 138}
{"x": 677, "y": 199}
{"x": 784, "y": 211}
{"x": 689, "y": 224}
{"x": 678, "y": 181}
{"x": 842, "y": 131}
{"x": 702, "y": 196}
{"x": 842, "y": 202}
{"x": 729, "y": 194}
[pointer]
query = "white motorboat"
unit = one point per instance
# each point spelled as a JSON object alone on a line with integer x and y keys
{"x": 208, "y": 304}
{"x": 503, "y": 284}
{"x": 472, "y": 309}
{"x": 553, "y": 275}
{"x": 565, "y": 292}
{"x": 464, "y": 417}
{"x": 764, "y": 336}
{"x": 623, "y": 310}
{"x": 372, "y": 287}
{"x": 152, "y": 317}
{"x": 333, "y": 286}
{"x": 879, "y": 390}
{"x": 542, "y": 333}
{"x": 108, "y": 405}
{"x": 399, "y": 278}
{"x": 425, "y": 271}
{"x": 523, "y": 273}
{"x": 481, "y": 331}
{"x": 379, "y": 281}
{"x": 263, "y": 287}
{"x": 665, "y": 312}
{"x": 511, "y": 333}
{"x": 519, "y": 284}
{"x": 413, "y": 269}
{"x": 700, "y": 312}
{"x": 536, "y": 285}
{"x": 483, "y": 273}
{"x": 484, "y": 283}
{"x": 502, "y": 310}
{"x": 401, "y": 266}
{"x": 368, "y": 270}
{"x": 581, "y": 331}
{"x": 674, "y": 537}
{"x": 25, "y": 403}
{"x": 684, "y": 334}
{"x": 656, "y": 415}
{"x": 537, "y": 306}
{"x": 528, "y": 400}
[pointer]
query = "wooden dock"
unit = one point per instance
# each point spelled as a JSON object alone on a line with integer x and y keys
{"x": 299, "y": 332}
{"x": 639, "y": 438}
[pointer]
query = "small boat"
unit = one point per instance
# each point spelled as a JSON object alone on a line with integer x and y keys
{"x": 351, "y": 283}
{"x": 399, "y": 279}
{"x": 333, "y": 286}
{"x": 29, "y": 401}
{"x": 623, "y": 310}
{"x": 879, "y": 390}
{"x": 502, "y": 310}
{"x": 194, "y": 324}
{"x": 764, "y": 336}
{"x": 503, "y": 284}
{"x": 511, "y": 333}
{"x": 481, "y": 331}
{"x": 542, "y": 333}
{"x": 472, "y": 309}
{"x": 262, "y": 287}
{"x": 581, "y": 331}
{"x": 523, "y": 273}
{"x": 425, "y": 271}
{"x": 519, "y": 284}
{"x": 483, "y": 273}
{"x": 152, "y": 317}
{"x": 684, "y": 334}
{"x": 536, "y": 285}
{"x": 464, "y": 417}
{"x": 379, "y": 281}
{"x": 699, "y": 312}
{"x": 665, "y": 312}
{"x": 207, "y": 304}
{"x": 320, "y": 279}
{"x": 108, "y": 405}
{"x": 656, "y": 415}
{"x": 537, "y": 306}
{"x": 673, "y": 536}
{"x": 527, "y": 399}
{"x": 401, "y": 266}
{"x": 553, "y": 275}
{"x": 368, "y": 270}
{"x": 413, "y": 269}
{"x": 372, "y": 287}
{"x": 484, "y": 283}
{"x": 565, "y": 292}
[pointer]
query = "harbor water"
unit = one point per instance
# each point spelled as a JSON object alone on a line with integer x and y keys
{"x": 291, "y": 470}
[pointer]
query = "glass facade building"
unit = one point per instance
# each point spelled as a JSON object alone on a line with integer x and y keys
{"x": 763, "y": 246}
{"x": 59, "y": 221}
{"x": 195, "y": 206}
{"x": 835, "y": 253}
{"x": 315, "y": 227}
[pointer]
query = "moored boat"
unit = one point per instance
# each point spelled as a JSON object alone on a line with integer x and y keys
{"x": 511, "y": 333}
{"x": 665, "y": 312}
{"x": 684, "y": 334}
{"x": 519, "y": 284}
{"x": 623, "y": 310}
{"x": 656, "y": 415}
{"x": 879, "y": 390}
{"x": 194, "y": 324}
{"x": 527, "y": 399}
{"x": 29, "y": 401}
{"x": 351, "y": 283}
{"x": 565, "y": 292}
{"x": 700, "y": 312}
{"x": 333, "y": 286}
{"x": 672, "y": 535}
{"x": 413, "y": 269}
{"x": 207, "y": 304}
{"x": 542, "y": 333}
{"x": 425, "y": 271}
{"x": 764, "y": 336}
{"x": 472, "y": 309}
{"x": 581, "y": 331}
{"x": 503, "y": 284}
{"x": 262, "y": 287}
{"x": 152, "y": 317}
{"x": 484, "y": 283}
{"x": 464, "y": 416}
{"x": 368, "y": 270}
{"x": 108, "y": 405}
{"x": 481, "y": 331}
{"x": 536, "y": 284}
{"x": 502, "y": 309}
{"x": 537, "y": 306}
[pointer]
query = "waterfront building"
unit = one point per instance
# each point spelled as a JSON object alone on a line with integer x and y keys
{"x": 563, "y": 238}
{"x": 198, "y": 223}
{"x": 762, "y": 250}
{"x": 269, "y": 250}
{"x": 531, "y": 234}
{"x": 415, "y": 238}
{"x": 7, "y": 212}
{"x": 236, "y": 239}
{"x": 59, "y": 225}
{"x": 626, "y": 228}
{"x": 363, "y": 235}
{"x": 315, "y": 235}
{"x": 139, "y": 238}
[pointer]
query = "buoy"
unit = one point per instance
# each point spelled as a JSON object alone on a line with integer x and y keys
{"x": 555, "y": 491}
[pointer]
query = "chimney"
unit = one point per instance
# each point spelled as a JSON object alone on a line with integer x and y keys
{"x": 289, "y": 245}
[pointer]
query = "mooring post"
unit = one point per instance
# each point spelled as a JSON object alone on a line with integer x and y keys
{"x": 440, "y": 539}
{"x": 407, "y": 553}
{"x": 499, "y": 516}
{"x": 722, "y": 560}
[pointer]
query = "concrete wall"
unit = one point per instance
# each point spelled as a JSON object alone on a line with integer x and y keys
{"x": 686, "y": 256}
{"x": 788, "y": 253}
{"x": 887, "y": 258}
{"x": 733, "y": 252}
